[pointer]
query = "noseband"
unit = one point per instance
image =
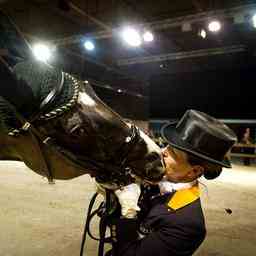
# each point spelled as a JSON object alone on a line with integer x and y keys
{"x": 121, "y": 173}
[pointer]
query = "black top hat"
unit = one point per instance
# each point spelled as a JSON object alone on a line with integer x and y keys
{"x": 201, "y": 135}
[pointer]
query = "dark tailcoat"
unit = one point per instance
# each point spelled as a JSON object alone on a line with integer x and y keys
{"x": 176, "y": 225}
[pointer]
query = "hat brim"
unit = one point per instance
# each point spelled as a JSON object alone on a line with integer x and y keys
{"x": 171, "y": 136}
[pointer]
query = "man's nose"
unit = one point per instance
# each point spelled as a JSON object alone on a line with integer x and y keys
{"x": 164, "y": 152}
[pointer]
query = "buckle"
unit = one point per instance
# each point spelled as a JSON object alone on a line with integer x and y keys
{"x": 26, "y": 126}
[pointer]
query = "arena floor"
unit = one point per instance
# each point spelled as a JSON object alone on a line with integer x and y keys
{"x": 41, "y": 219}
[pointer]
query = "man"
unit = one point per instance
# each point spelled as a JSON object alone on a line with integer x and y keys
{"x": 174, "y": 223}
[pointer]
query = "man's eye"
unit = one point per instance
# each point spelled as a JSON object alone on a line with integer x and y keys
{"x": 172, "y": 152}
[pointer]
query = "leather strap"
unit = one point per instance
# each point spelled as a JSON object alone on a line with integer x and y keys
{"x": 28, "y": 127}
{"x": 49, "y": 99}
{"x": 128, "y": 145}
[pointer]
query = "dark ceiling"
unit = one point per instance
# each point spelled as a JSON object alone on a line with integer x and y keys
{"x": 114, "y": 65}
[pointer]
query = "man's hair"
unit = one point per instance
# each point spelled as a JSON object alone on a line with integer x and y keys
{"x": 211, "y": 170}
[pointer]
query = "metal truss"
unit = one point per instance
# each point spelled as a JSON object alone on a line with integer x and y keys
{"x": 182, "y": 55}
{"x": 243, "y": 10}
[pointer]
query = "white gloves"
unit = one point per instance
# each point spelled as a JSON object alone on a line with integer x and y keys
{"x": 128, "y": 198}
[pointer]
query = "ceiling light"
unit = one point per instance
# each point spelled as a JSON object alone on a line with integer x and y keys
{"x": 148, "y": 36}
{"x": 119, "y": 90}
{"x": 89, "y": 45}
{"x": 42, "y": 52}
{"x": 214, "y": 26}
{"x": 131, "y": 37}
{"x": 202, "y": 33}
{"x": 254, "y": 20}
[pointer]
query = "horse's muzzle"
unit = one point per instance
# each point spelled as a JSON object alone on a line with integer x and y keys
{"x": 155, "y": 171}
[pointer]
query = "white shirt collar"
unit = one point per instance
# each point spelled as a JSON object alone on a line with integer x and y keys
{"x": 167, "y": 186}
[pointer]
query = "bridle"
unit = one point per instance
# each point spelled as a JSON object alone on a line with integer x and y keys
{"x": 119, "y": 172}
{"x": 123, "y": 173}
{"x": 49, "y": 99}
{"x": 27, "y": 125}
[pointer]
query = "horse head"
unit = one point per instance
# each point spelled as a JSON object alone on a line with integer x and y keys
{"x": 80, "y": 127}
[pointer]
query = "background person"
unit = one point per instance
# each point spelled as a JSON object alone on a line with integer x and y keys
{"x": 246, "y": 139}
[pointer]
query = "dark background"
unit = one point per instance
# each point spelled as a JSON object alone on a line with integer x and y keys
{"x": 158, "y": 80}
{"x": 225, "y": 94}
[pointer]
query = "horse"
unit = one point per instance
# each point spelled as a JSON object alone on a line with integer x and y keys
{"x": 60, "y": 129}
{"x": 73, "y": 134}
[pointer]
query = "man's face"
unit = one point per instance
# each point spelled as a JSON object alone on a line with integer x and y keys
{"x": 178, "y": 169}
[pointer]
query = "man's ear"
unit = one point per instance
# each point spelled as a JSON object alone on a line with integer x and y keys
{"x": 196, "y": 171}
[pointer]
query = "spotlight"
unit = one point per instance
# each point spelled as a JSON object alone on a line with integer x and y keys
{"x": 214, "y": 26}
{"x": 131, "y": 37}
{"x": 254, "y": 20}
{"x": 119, "y": 91}
{"x": 42, "y": 52}
{"x": 89, "y": 45}
{"x": 202, "y": 33}
{"x": 148, "y": 36}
